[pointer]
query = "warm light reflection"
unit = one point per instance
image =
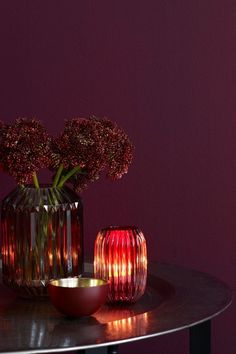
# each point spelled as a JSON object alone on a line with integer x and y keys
{"x": 129, "y": 325}
{"x": 50, "y": 258}
{"x": 58, "y": 256}
{"x": 75, "y": 257}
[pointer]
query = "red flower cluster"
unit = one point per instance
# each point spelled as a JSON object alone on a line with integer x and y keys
{"x": 78, "y": 155}
{"x": 94, "y": 144}
{"x": 25, "y": 148}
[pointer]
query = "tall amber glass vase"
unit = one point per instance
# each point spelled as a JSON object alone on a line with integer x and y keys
{"x": 41, "y": 238}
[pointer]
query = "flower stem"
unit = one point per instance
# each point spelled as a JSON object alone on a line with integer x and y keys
{"x": 68, "y": 175}
{"x": 58, "y": 175}
{"x": 35, "y": 179}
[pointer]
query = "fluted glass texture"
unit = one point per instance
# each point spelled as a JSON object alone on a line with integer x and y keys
{"x": 41, "y": 238}
{"x": 120, "y": 256}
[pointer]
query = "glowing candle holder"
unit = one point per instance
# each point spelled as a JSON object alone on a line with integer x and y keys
{"x": 120, "y": 256}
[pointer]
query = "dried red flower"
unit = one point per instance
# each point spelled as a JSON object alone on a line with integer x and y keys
{"x": 26, "y": 149}
{"x": 118, "y": 149}
{"x": 114, "y": 153}
{"x": 79, "y": 144}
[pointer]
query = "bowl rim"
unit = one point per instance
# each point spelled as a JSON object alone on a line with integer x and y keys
{"x": 104, "y": 283}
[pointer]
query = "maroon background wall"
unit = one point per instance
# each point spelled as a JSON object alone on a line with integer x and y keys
{"x": 165, "y": 70}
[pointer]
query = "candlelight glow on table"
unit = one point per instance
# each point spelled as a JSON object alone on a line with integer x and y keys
{"x": 120, "y": 256}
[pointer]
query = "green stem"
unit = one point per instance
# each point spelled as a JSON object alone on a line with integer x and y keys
{"x": 68, "y": 175}
{"x": 35, "y": 179}
{"x": 58, "y": 175}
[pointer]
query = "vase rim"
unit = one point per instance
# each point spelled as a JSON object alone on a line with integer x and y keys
{"x": 120, "y": 227}
{"x": 42, "y": 186}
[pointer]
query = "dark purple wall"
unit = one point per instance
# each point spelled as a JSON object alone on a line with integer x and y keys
{"x": 165, "y": 70}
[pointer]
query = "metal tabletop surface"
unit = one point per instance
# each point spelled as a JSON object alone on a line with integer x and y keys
{"x": 176, "y": 298}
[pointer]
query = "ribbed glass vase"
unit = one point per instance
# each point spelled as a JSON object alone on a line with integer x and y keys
{"x": 41, "y": 238}
{"x": 120, "y": 256}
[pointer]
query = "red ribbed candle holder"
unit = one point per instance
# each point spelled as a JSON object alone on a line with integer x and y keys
{"x": 120, "y": 256}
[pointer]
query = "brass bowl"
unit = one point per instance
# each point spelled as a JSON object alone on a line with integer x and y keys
{"x": 76, "y": 297}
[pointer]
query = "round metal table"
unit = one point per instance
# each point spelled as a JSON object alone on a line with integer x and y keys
{"x": 176, "y": 298}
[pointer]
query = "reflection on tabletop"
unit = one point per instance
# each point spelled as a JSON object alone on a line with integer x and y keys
{"x": 44, "y": 327}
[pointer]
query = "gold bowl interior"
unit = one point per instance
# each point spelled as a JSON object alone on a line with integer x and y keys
{"x": 78, "y": 282}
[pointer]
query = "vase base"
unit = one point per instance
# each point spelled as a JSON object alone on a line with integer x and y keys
{"x": 28, "y": 290}
{"x": 33, "y": 289}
